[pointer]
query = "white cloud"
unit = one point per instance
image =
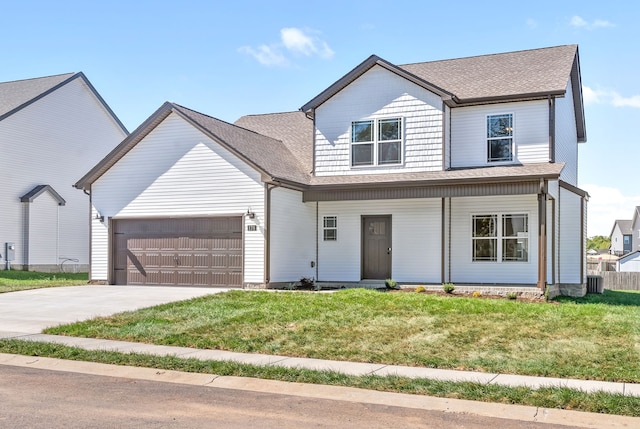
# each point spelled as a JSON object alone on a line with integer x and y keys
{"x": 266, "y": 55}
{"x": 532, "y": 23}
{"x": 579, "y": 22}
{"x": 293, "y": 41}
{"x": 606, "y": 205}
{"x": 596, "y": 96}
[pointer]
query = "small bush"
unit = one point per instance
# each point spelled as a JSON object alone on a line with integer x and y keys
{"x": 306, "y": 282}
{"x": 448, "y": 287}
{"x": 512, "y": 295}
{"x": 476, "y": 294}
{"x": 391, "y": 284}
{"x": 420, "y": 289}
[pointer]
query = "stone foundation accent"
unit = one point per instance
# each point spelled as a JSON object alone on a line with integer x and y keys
{"x": 256, "y": 286}
{"x": 51, "y": 268}
{"x": 576, "y": 290}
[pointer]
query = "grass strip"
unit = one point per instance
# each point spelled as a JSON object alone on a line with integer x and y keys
{"x": 559, "y": 398}
{"x": 12, "y": 280}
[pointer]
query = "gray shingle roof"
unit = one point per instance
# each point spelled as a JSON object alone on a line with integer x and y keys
{"x": 15, "y": 94}
{"x": 294, "y": 129}
{"x": 625, "y": 226}
{"x": 511, "y": 74}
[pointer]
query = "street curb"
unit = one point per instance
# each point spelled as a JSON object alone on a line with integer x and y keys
{"x": 338, "y": 393}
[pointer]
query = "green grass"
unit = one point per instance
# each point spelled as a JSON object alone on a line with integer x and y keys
{"x": 11, "y": 281}
{"x": 596, "y": 338}
{"x": 560, "y": 398}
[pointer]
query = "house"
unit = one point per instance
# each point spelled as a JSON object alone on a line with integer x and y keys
{"x": 461, "y": 171}
{"x": 635, "y": 229}
{"x": 621, "y": 237}
{"x": 51, "y": 130}
{"x": 629, "y": 262}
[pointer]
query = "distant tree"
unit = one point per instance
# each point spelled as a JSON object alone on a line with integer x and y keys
{"x": 598, "y": 242}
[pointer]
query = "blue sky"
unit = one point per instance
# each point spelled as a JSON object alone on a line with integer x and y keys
{"x": 228, "y": 59}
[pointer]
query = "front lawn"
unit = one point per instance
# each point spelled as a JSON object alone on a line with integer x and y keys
{"x": 14, "y": 280}
{"x": 597, "y": 337}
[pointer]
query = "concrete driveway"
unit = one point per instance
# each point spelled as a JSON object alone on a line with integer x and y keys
{"x": 31, "y": 311}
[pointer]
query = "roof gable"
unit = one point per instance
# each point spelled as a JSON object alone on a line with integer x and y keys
{"x": 267, "y": 155}
{"x": 30, "y": 196}
{"x": 16, "y": 95}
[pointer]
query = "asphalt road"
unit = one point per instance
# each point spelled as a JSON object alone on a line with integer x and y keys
{"x": 37, "y": 398}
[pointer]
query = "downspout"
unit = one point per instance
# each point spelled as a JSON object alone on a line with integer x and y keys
{"x": 317, "y": 239}
{"x": 267, "y": 234}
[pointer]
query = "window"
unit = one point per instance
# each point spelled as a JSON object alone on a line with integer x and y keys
{"x": 376, "y": 142}
{"x": 503, "y": 238}
{"x": 330, "y": 228}
{"x": 500, "y": 137}
{"x": 626, "y": 238}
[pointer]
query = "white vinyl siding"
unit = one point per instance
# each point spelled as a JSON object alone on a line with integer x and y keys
{"x": 566, "y": 137}
{"x": 416, "y": 239}
{"x": 54, "y": 141}
{"x": 43, "y": 222}
{"x": 463, "y": 268}
{"x": 530, "y": 133}
{"x": 293, "y": 232}
{"x": 379, "y": 93}
{"x": 99, "y": 269}
{"x": 178, "y": 171}
{"x": 553, "y": 236}
{"x": 571, "y": 240}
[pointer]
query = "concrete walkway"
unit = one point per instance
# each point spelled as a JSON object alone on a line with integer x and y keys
{"x": 23, "y": 315}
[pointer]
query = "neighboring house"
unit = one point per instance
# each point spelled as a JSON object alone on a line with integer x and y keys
{"x": 51, "y": 130}
{"x": 461, "y": 171}
{"x": 629, "y": 262}
{"x": 621, "y": 238}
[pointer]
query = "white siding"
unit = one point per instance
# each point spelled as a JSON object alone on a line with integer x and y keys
{"x": 416, "y": 239}
{"x": 54, "y": 141}
{"x": 178, "y": 171}
{"x": 566, "y": 137}
{"x": 630, "y": 264}
{"x": 99, "y": 269}
{"x": 293, "y": 232}
{"x": 571, "y": 240}
{"x": 43, "y": 230}
{"x": 463, "y": 269}
{"x": 617, "y": 240}
{"x": 530, "y": 132}
{"x": 376, "y": 94}
{"x": 553, "y": 235}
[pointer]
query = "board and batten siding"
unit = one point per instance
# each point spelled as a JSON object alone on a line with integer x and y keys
{"x": 567, "y": 137}
{"x": 530, "y": 133}
{"x": 416, "y": 239}
{"x": 177, "y": 171}
{"x": 54, "y": 141}
{"x": 293, "y": 231}
{"x": 379, "y": 93}
{"x": 463, "y": 269}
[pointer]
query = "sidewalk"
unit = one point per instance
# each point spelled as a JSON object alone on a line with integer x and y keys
{"x": 349, "y": 368}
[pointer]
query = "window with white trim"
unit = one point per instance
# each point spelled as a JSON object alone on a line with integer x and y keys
{"x": 503, "y": 238}
{"x": 500, "y": 137}
{"x": 376, "y": 142}
{"x": 330, "y": 228}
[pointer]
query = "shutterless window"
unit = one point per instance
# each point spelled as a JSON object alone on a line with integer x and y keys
{"x": 376, "y": 142}
{"x": 330, "y": 228}
{"x": 500, "y": 137}
{"x": 515, "y": 238}
{"x": 485, "y": 237}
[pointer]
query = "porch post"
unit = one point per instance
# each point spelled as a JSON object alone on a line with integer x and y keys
{"x": 542, "y": 235}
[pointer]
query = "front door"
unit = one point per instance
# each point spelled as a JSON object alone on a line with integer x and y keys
{"x": 376, "y": 247}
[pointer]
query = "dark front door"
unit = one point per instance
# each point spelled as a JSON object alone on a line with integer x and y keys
{"x": 376, "y": 247}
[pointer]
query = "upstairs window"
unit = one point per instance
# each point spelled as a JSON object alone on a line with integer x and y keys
{"x": 376, "y": 142}
{"x": 500, "y": 137}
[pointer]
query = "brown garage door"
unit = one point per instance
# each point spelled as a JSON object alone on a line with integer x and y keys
{"x": 178, "y": 252}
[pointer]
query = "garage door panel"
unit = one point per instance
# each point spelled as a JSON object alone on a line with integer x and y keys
{"x": 179, "y": 252}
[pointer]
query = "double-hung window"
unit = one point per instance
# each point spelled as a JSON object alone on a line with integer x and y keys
{"x": 376, "y": 142}
{"x": 503, "y": 238}
{"x": 330, "y": 228}
{"x": 500, "y": 137}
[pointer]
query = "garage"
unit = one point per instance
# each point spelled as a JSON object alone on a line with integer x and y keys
{"x": 178, "y": 251}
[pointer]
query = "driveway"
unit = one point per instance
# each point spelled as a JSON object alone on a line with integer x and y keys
{"x": 30, "y": 311}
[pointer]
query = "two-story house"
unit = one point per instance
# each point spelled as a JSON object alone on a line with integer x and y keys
{"x": 461, "y": 171}
{"x": 51, "y": 130}
{"x": 621, "y": 237}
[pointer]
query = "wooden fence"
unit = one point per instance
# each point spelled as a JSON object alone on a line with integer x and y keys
{"x": 620, "y": 281}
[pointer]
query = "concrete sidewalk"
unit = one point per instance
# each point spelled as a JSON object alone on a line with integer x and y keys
{"x": 349, "y": 368}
